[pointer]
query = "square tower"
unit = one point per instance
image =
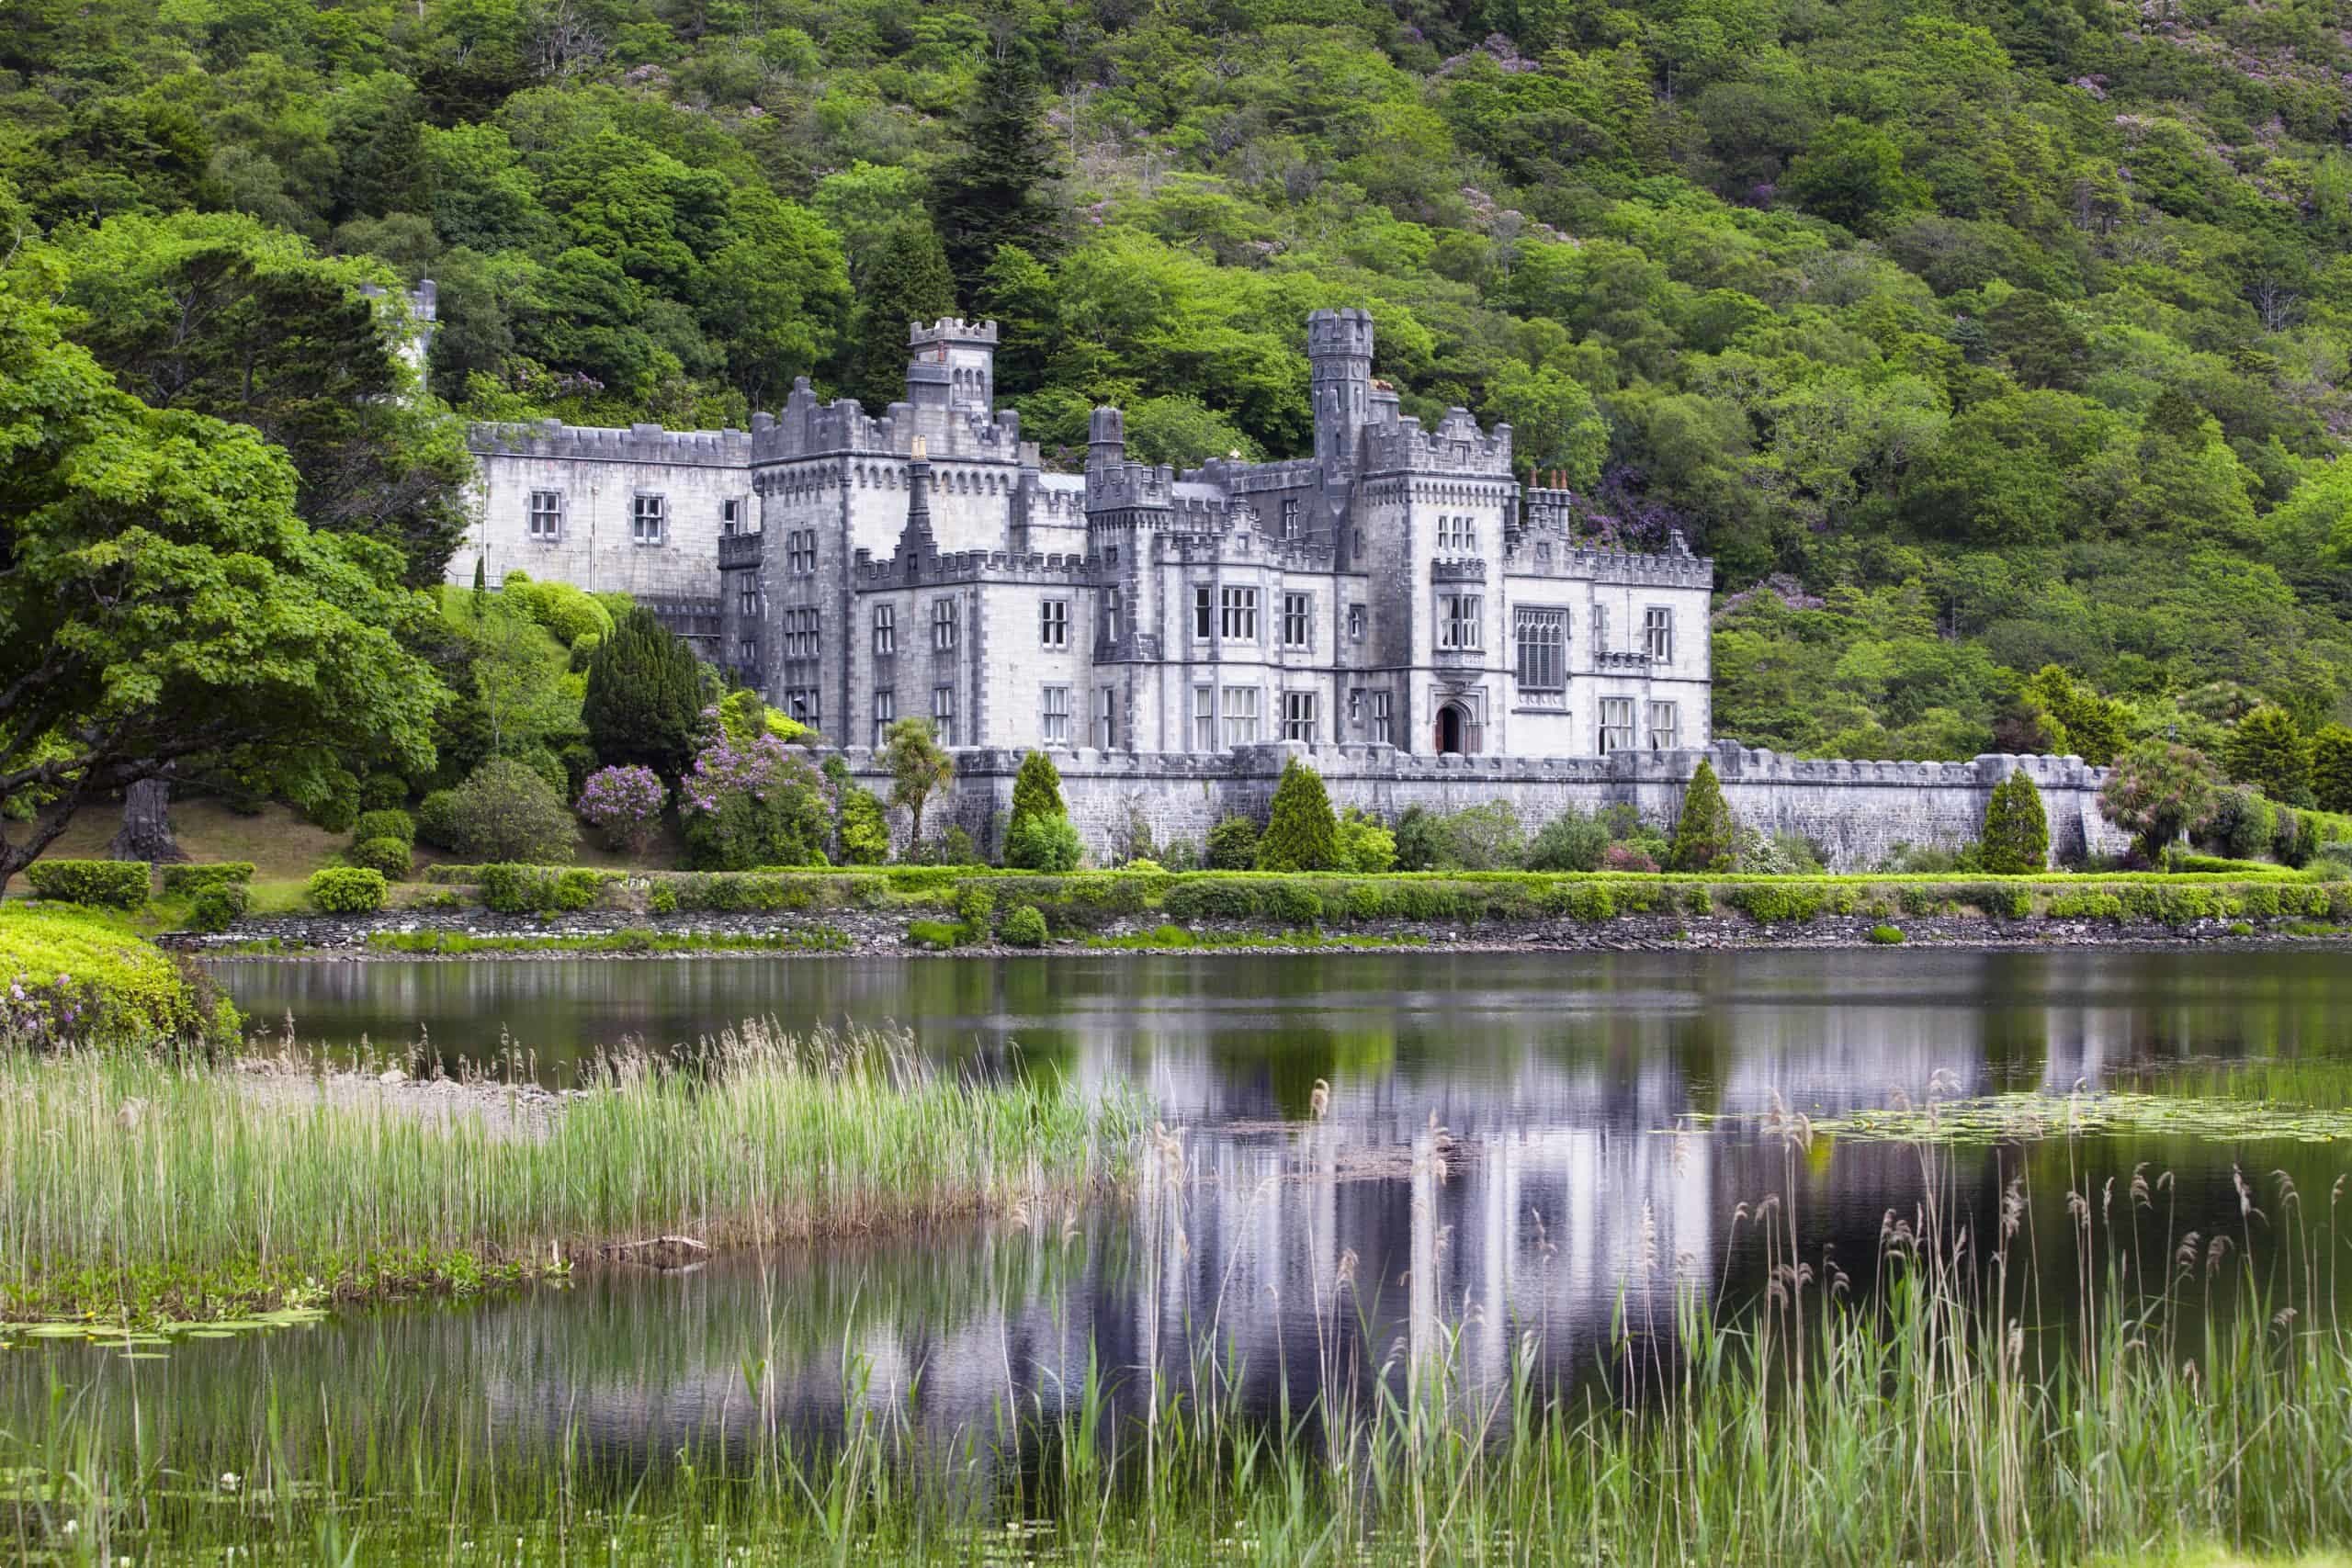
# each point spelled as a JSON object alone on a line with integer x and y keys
{"x": 951, "y": 364}
{"x": 1339, "y": 350}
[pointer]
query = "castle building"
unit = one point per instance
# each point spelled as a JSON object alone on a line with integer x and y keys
{"x": 1398, "y": 588}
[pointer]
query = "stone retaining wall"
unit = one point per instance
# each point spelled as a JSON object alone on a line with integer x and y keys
{"x": 1856, "y": 813}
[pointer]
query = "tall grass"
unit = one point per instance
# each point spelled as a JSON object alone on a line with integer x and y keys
{"x": 1947, "y": 1402}
{"x": 135, "y": 1185}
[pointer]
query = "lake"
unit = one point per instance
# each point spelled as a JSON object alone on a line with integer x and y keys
{"x": 1382, "y": 1154}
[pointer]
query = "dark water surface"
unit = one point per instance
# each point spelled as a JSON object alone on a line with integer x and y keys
{"x": 1576, "y": 1184}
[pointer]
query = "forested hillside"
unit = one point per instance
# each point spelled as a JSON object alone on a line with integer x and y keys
{"x": 1969, "y": 341}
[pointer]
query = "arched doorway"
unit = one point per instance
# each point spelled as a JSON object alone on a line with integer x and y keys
{"x": 1453, "y": 729}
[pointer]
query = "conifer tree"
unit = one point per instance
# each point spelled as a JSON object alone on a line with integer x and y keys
{"x": 1036, "y": 790}
{"x": 643, "y": 704}
{"x": 1706, "y": 837}
{"x": 2332, "y": 768}
{"x": 908, "y": 282}
{"x": 1301, "y": 833}
{"x": 999, "y": 189}
{"x": 2017, "y": 830}
{"x": 2267, "y": 750}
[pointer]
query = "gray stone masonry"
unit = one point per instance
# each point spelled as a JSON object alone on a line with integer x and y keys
{"x": 1855, "y": 813}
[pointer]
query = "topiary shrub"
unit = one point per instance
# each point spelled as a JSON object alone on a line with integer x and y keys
{"x": 346, "y": 890}
{"x": 99, "y": 884}
{"x": 390, "y": 823}
{"x": 1706, "y": 836}
{"x": 2016, "y": 837}
{"x": 1024, "y": 927}
{"x": 382, "y": 792}
{"x": 218, "y": 908}
{"x": 1233, "y": 845}
{"x": 389, "y": 856}
{"x": 201, "y": 877}
{"x": 1301, "y": 832}
{"x": 1043, "y": 843}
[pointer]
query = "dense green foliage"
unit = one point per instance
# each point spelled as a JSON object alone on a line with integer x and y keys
{"x": 2157, "y": 792}
{"x": 504, "y": 811}
{"x": 643, "y": 702}
{"x": 2016, "y": 838}
{"x": 166, "y": 609}
{"x": 75, "y": 977}
{"x": 919, "y": 768}
{"x": 1024, "y": 926}
{"x": 2332, "y": 768}
{"x": 346, "y": 890}
{"x": 1043, "y": 842}
{"x": 1971, "y": 345}
{"x": 1301, "y": 832}
{"x": 1038, "y": 789}
{"x": 1706, "y": 836}
{"x": 1232, "y": 845}
{"x": 2269, "y": 752}
{"x": 102, "y": 884}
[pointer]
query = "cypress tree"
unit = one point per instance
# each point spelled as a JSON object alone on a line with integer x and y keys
{"x": 1301, "y": 833}
{"x": 909, "y": 282}
{"x": 2017, "y": 830}
{"x": 2332, "y": 768}
{"x": 1036, "y": 790}
{"x": 998, "y": 190}
{"x": 644, "y": 698}
{"x": 2267, "y": 750}
{"x": 1706, "y": 837}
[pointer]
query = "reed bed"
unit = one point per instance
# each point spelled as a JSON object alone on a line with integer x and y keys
{"x": 137, "y": 1186}
{"x": 2180, "y": 1394}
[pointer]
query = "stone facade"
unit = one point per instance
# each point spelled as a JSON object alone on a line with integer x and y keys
{"x": 1855, "y": 813}
{"x": 1397, "y": 589}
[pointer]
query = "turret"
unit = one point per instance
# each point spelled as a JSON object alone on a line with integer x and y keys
{"x": 951, "y": 364}
{"x": 1106, "y": 440}
{"x": 1339, "y": 348}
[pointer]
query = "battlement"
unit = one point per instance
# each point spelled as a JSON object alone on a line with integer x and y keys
{"x": 1345, "y": 333}
{"x": 1622, "y": 567}
{"x": 1052, "y": 566}
{"x": 552, "y": 438}
{"x": 1457, "y": 446}
{"x": 805, "y": 427}
{"x": 951, "y": 328}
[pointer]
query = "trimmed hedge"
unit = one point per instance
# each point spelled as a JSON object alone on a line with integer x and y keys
{"x": 542, "y": 889}
{"x": 389, "y": 856}
{"x": 99, "y": 884}
{"x": 346, "y": 890}
{"x": 73, "y": 977}
{"x": 197, "y": 877}
{"x": 390, "y": 823}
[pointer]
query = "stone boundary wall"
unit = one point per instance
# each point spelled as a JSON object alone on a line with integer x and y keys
{"x": 1855, "y": 812}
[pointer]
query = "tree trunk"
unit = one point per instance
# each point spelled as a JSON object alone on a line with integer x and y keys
{"x": 147, "y": 825}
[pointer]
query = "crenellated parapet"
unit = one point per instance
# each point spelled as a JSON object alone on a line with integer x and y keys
{"x": 553, "y": 440}
{"x": 1050, "y": 567}
{"x": 1457, "y": 446}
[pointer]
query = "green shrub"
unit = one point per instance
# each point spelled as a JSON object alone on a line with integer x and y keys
{"x": 2085, "y": 905}
{"x": 510, "y": 889}
{"x": 956, "y": 848}
{"x": 346, "y": 890}
{"x": 1301, "y": 832}
{"x": 1580, "y": 900}
{"x": 388, "y": 855}
{"x": 436, "y": 820}
{"x": 974, "y": 904}
{"x": 1776, "y": 903}
{"x": 1024, "y": 927}
{"x": 1211, "y": 900}
{"x": 662, "y": 902}
{"x": 1042, "y": 842}
{"x": 1037, "y": 791}
{"x": 1233, "y": 845}
{"x": 75, "y": 977}
{"x": 2016, "y": 838}
{"x": 1365, "y": 847}
{"x": 1292, "y": 905}
{"x": 1706, "y": 836}
{"x": 506, "y": 812}
{"x": 101, "y": 884}
{"x": 337, "y": 806}
{"x": 1886, "y": 936}
{"x": 218, "y": 908}
{"x": 1696, "y": 900}
{"x": 198, "y": 876}
{"x": 1570, "y": 841}
{"x": 389, "y": 823}
{"x": 382, "y": 792}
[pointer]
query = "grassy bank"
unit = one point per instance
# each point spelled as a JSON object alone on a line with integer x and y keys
{"x": 1941, "y": 1407}
{"x": 138, "y": 1189}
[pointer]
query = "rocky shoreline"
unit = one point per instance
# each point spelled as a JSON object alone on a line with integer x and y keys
{"x": 314, "y": 938}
